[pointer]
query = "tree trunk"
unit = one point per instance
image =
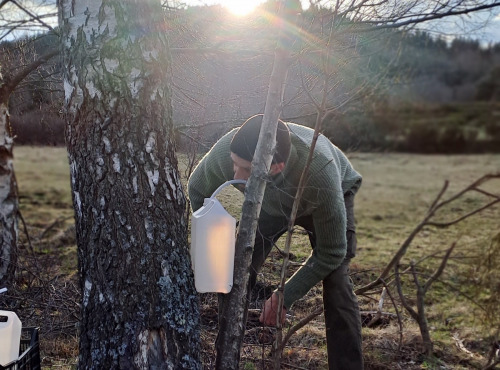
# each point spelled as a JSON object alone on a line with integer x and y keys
{"x": 9, "y": 202}
{"x": 139, "y": 307}
{"x": 235, "y": 305}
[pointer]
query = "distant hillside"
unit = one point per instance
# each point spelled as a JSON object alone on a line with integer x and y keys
{"x": 472, "y": 127}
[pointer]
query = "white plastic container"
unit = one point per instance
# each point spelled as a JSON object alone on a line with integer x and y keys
{"x": 10, "y": 337}
{"x": 213, "y": 235}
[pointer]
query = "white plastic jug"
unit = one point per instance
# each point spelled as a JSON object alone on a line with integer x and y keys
{"x": 10, "y": 337}
{"x": 213, "y": 234}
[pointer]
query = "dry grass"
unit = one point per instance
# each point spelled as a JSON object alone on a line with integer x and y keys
{"x": 395, "y": 195}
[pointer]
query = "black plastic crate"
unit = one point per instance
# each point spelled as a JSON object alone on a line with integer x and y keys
{"x": 29, "y": 352}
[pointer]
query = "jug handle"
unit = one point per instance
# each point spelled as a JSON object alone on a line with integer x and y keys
{"x": 230, "y": 182}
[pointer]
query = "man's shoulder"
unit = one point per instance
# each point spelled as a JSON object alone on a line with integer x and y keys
{"x": 224, "y": 143}
{"x": 304, "y": 135}
{"x": 228, "y": 136}
{"x": 300, "y": 131}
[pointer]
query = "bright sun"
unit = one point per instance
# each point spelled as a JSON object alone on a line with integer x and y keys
{"x": 240, "y": 7}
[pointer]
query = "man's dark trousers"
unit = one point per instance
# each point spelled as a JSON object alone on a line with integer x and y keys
{"x": 342, "y": 319}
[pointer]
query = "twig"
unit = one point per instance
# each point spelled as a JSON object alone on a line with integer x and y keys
{"x": 384, "y": 313}
{"x": 493, "y": 356}
{"x": 487, "y": 193}
{"x": 52, "y": 225}
{"x": 399, "y": 289}
{"x": 193, "y": 139}
{"x": 469, "y": 298}
{"x": 440, "y": 270}
{"x": 420, "y": 315}
{"x": 446, "y": 224}
{"x": 443, "y": 190}
{"x": 378, "y": 315}
{"x": 394, "y": 261}
{"x": 400, "y": 321}
{"x": 471, "y": 187}
{"x": 318, "y": 311}
{"x": 25, "y": 227}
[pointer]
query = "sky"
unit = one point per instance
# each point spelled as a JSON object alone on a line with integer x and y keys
{"x": 481, "y": 26}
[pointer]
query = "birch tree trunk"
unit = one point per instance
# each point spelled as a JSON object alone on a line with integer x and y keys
{"x": 235, "y": 306}
{"x": 9, "y": 201}
{"x": 139, "y": 307}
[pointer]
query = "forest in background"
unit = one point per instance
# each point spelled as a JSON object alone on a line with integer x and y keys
{"x": 392, "y": 90}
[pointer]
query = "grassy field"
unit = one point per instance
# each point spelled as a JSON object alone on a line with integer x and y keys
{"x": 396, "y": 194}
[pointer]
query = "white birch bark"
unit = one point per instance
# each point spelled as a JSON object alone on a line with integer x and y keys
{"x": 139, "y": 307}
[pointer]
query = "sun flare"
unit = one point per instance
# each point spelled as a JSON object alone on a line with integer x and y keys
{"x": 240, "y": 8}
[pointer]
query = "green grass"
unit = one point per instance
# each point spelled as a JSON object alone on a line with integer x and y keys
{"x": 43, "y": 183}
{"x": 396, "y": 193}
{"x": 398, "y": 189}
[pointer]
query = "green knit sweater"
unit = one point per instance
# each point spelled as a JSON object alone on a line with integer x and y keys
{"x": 330, "y": 176}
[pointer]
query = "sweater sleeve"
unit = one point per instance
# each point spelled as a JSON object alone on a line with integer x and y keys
{"x": 329, "y": 217}
{"x": 215, "y": 168}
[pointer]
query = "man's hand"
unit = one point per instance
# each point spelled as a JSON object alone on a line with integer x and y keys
{"x": 268, "y": 315}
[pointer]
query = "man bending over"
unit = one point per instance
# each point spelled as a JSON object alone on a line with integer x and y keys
{"x": 325, "y": 212}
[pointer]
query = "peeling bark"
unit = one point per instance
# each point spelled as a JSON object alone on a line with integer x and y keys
{"x": 9, "y": 202}
{"x": 139, "y": 307}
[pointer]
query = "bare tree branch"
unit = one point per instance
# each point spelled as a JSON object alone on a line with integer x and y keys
{"x": 11, "y": 82}
{"x": 432, "y": 16}
{"x": 446, "y": 224}
{"x": 404, "y": 302}
{"x": 440, "y": 270}
{"x": 303, "y": 322}
{"x": 378, "y": 315}
{"x": 32, "y": 15}
{"x": 435, "y": 206}
{"x": 400, "y": 321}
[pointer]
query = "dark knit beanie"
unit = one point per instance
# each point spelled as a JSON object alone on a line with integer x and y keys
{"x": 245, "y": 140}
